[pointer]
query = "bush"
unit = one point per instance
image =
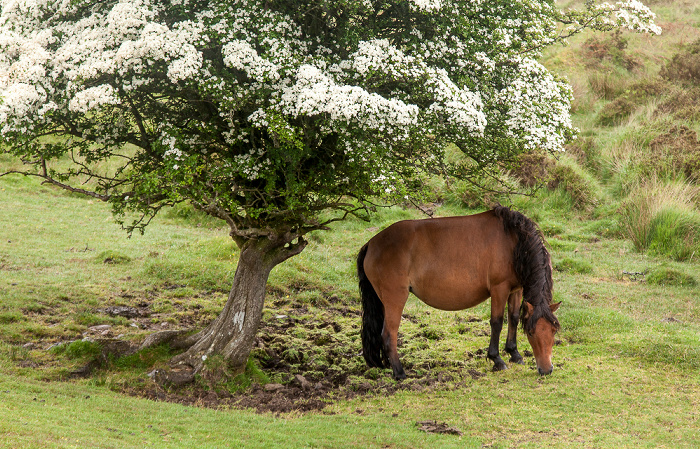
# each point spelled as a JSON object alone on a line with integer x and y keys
{"x": 586, "y": 153}
{"x": 609, "y": 48}
{"x": 577, "y": 183}
{"x": 623, "y": 105}
{"x": 533, "y": 168}
{"x": 616, "y": 111}
{"x": 683, "y": 103}
{"x": 685, "y": 65}
{"x": 676, "y": 152}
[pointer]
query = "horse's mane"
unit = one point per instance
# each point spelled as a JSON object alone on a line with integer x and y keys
{"x": 532, "y": 265}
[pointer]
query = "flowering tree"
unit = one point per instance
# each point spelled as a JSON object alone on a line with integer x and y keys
{"x": 278, "y": 117}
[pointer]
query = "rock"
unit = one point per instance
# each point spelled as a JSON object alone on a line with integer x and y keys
{"x": 101, "y": 329}
{"x": 273, "y": 387}
{"x": 125, "y": 311}
{"x": 301, "y": 381}
{"x": 175, "y": 378}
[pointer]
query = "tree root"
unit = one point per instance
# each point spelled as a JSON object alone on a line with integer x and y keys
{"x": 177, "y": 339}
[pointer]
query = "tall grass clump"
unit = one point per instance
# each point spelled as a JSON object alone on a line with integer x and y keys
{"x": 661, "y": 216}
{"x": 578, "y": 183}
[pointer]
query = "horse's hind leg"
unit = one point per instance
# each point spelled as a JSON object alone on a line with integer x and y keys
{"x": 499, "y": 296}
{"x": 394, "y": 303}
{"x": 513, "y": 314}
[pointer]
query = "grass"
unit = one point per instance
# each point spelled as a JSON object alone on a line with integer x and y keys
{"x": 626, "y": 362}
{"x": 616, "y": 349}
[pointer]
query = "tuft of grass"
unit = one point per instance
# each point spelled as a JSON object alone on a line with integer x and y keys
{"x": 675, "y": 233}
{"x": 583, "y": 188}
{"x": 661, "y": 217}
{"x": 12, "y": 316}
{"x": 574, "y": 266}
{"x": 112, "y": 257}
{"x": 78, "y": 349}
{"x": 670, "y": 277}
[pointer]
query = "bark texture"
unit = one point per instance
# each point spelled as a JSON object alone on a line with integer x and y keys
{"x": 232, "y": 333}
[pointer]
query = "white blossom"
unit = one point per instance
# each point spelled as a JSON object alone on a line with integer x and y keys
{"x": 92, "y": 98}
{"x": 474, "y": 69}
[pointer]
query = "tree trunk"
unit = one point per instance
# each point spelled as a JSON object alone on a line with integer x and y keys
{"x": 232, "y": 333}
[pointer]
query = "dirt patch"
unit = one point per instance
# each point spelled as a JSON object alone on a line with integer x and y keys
{"x": 304, "y": 358}
{"x": 312, "y": 359}
{"x": 435, "y": 427}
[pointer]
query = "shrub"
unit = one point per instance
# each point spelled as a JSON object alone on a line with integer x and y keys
{"x": 674, "y": 152}
{"x": 577, "y": 183}
{"x": 609, "y": 48}
{"x": 623, "y": 105}
{"x": 533, "y": 168}
{"x": 683, "y": 103}
{"x": 685, "y": 65}
{"x": 585, "y": 151}
{"x": 616, "y": 111}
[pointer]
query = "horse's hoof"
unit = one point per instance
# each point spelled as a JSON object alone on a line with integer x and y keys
{"x": 500, "y": 366}
{"x": 519, "y": 361}
{"x": 399, "y": 374}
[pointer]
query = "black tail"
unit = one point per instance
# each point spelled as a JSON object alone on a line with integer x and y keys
{"x": 372, "y": 317}
{"x": 532, "y": 265}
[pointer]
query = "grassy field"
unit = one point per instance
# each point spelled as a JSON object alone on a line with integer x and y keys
{"x": 626, "y": 367}
{"x": 624, "y": 199}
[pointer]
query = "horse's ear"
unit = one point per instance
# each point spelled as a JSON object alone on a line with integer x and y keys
{"x": 554, "y": 307}
{"x": 528, "y": 310}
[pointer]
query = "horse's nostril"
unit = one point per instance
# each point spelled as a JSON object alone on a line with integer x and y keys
{"x": 543, "y": 372}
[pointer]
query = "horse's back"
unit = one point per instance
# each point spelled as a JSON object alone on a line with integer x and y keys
{"x": 449, "y": 263}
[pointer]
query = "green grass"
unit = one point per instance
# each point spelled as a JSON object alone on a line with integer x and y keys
{"x": 618, "y": 347}
{"x": 626, "y": 362}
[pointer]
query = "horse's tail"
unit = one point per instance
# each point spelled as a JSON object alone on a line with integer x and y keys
{"x": 532, "y": 265}
{"x": 372, "y": 317}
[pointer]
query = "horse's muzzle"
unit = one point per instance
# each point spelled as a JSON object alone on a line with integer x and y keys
{"x": 544, "y": 372}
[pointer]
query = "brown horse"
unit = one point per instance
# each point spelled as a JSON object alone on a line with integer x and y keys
{"x": 452, "y": 264}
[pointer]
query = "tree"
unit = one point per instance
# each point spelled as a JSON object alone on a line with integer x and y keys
{"x": 278, "y": 117}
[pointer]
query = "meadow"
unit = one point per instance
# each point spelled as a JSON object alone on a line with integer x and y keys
{"x": 621, "y": 214}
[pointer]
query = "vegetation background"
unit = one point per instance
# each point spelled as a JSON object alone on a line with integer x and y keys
{"x": 621, "y": 212}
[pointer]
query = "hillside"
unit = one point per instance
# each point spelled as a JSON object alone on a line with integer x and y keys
{"x": 621, "y": 213}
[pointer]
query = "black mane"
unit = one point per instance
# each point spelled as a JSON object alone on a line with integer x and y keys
{"x": 532, "y": 265}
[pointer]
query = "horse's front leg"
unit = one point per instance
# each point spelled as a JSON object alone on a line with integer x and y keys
{"x": 513, "y": 315}
{"x": 499, "y": 295}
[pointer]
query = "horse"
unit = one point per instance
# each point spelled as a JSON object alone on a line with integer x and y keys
{"x": 454, "y": 263}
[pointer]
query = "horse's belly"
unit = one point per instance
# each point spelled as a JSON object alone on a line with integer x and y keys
{"x": 451, "y": 299}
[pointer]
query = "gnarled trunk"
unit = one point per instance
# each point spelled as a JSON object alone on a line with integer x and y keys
{"x": 232, "y": 333}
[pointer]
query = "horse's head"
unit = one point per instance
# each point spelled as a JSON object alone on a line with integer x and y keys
{"x": 541, "y": 337}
